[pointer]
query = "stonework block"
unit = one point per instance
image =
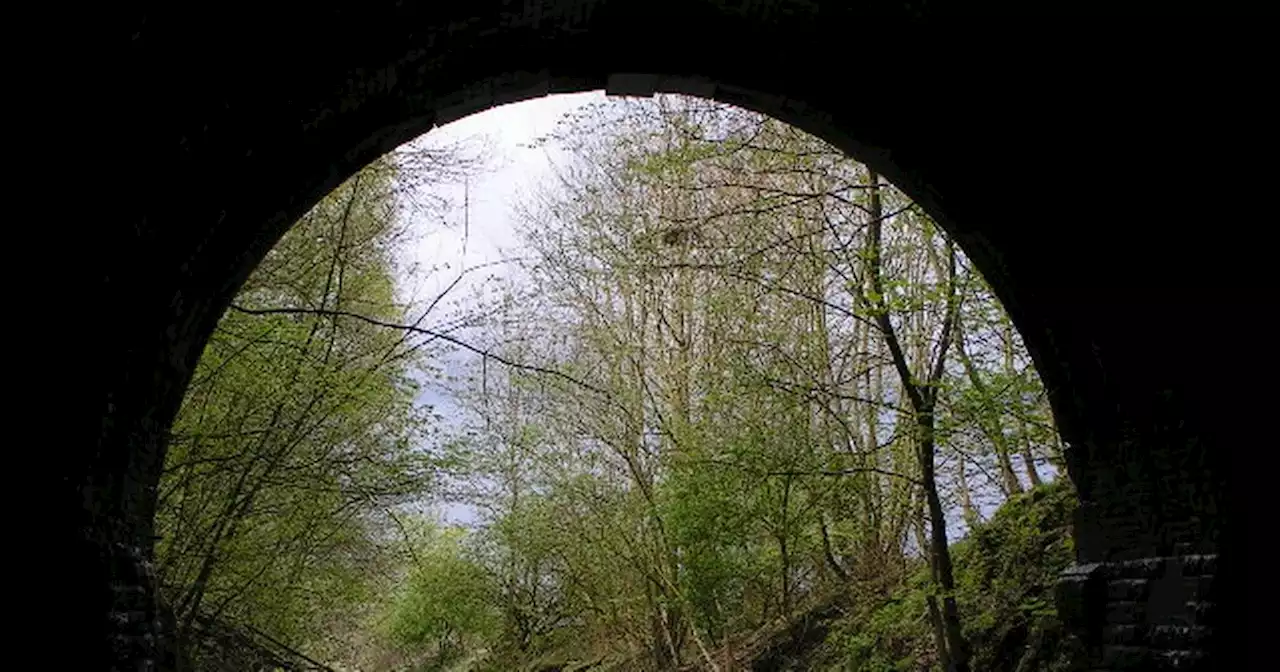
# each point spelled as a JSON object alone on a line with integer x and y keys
{"x": 1142, "y": 614}
{"x": 1128, "y": 589}
{"x": 1126, "y": 612}
{"x": 1199, "y": 565}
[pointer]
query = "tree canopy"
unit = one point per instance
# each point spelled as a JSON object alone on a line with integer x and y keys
{"x": 734, "y": 407}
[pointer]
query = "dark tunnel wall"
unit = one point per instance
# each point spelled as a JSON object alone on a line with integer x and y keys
{"x": 223, "y": 128}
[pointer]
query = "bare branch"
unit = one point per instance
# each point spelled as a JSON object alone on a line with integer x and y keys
{"x": 430, "y": 333}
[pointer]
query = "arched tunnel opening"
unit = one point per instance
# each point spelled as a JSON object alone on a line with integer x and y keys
{"x": 702, "y": 332}
{"x": 231, "y": 147}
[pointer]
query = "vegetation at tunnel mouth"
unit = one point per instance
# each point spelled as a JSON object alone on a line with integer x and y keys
{"x": 737, "y": 403}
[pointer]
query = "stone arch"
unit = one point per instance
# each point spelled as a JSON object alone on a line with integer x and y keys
{"x": 230, "y": 144}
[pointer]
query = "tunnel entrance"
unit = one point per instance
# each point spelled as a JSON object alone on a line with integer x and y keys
{"x": 233, "y": 150}
{"x": 764, "y": 364}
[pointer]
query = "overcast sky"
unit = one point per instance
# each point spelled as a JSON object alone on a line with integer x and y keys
{"x": 514, "y": 170}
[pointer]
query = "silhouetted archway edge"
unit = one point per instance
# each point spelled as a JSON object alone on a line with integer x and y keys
{"x": 229, "y": 148}
{"x": 506, "y": 89}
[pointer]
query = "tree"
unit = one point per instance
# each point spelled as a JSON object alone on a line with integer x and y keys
{"x": 445, "y": 602}
{"x": 739, "y": 377}
{"x": 299, "y": 430}
{"x": 922, "y": 392}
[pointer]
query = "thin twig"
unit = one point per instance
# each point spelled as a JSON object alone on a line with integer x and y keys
{"x": 426, "y": 332}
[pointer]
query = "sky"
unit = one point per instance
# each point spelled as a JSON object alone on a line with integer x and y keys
{"x": 483, "y": 232}
{"x": 512, "y": 171}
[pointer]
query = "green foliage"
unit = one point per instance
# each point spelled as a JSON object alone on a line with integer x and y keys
{"x": 445, "y": 602}
{"x": 693, "y": 429}
{"x": 1005, "y": 572}
{"x": 298, "y": 428}
{"x": 731, "y": 443}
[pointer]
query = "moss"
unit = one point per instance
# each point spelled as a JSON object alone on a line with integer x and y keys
{"x": 1005, "y": 573}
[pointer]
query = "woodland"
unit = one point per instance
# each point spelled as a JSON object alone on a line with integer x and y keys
{"x": 736, "y": 404}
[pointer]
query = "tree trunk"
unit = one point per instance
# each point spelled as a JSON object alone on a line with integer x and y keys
{"x": 993, "y": 430}
{"x": 828, "y": 555}
{"x": 936, "y": 625}
{"x": 922, "y": 398}
{"x": 940, "y": 551}
{"x": 1028, "y": 456}
{"x": 971, "y": 517}
{"x": 1029, "y": 461}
